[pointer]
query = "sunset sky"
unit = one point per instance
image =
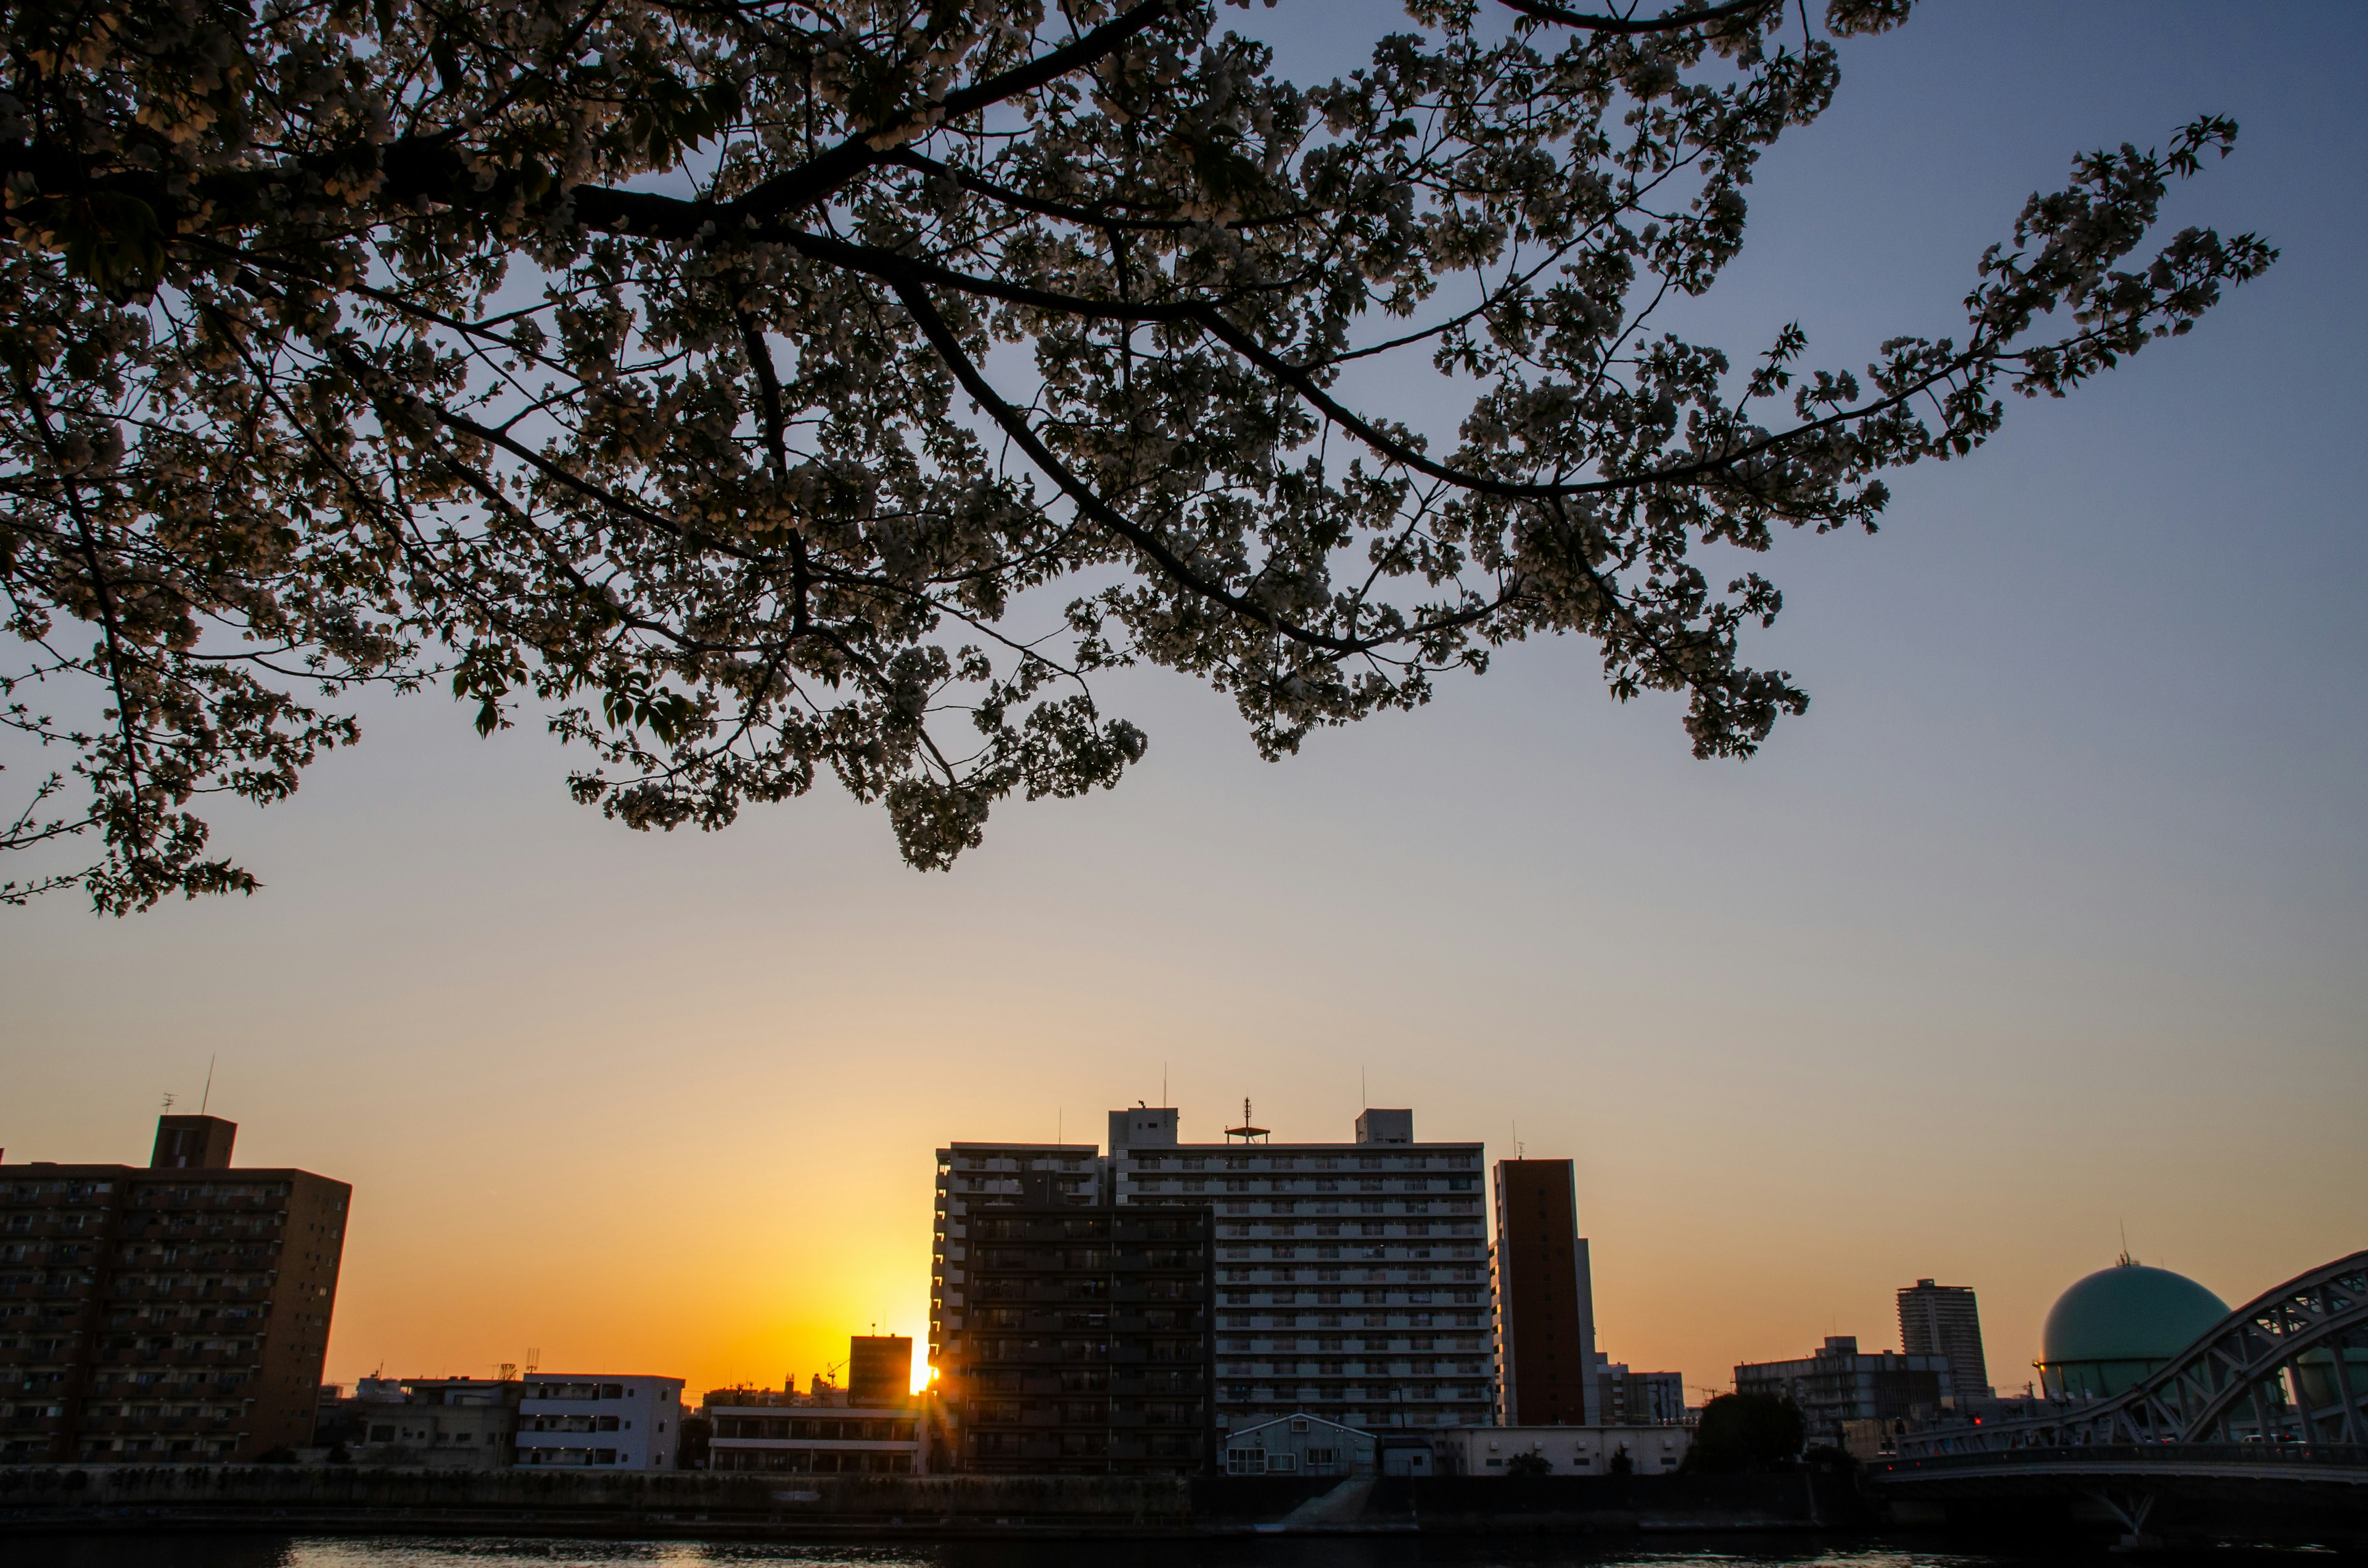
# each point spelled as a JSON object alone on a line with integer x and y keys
{"x": 2049, "y": 918}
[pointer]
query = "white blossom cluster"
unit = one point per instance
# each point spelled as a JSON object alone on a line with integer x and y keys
{"x": 713, "y": 379}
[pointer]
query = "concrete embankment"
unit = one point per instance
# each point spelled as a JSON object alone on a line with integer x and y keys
{"x": 693, "y": 1503}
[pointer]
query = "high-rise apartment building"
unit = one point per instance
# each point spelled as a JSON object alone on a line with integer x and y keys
{"x": 1084, "y": 1343}
{"x": 971, "y": 1175}
{"x": 1545, "y": 1294}
{"x": 177, "y": 1313}
{"x": 1353, "y": 1278}
{"x": 1944, "y": 1321}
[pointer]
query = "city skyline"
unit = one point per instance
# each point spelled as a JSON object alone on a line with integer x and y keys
{"x": 2046, "y": 919}
{"x": 344, "y": 1361}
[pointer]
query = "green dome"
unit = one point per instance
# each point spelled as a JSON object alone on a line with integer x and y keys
{"x": 2111, "y": 1330}
{"x": 2129, "y": 1312}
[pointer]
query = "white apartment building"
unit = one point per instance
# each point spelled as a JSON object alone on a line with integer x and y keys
{"x": 973, "y": 1175}
{"x": 1353, "y": 1278}
{"x": 608, "y": 1421}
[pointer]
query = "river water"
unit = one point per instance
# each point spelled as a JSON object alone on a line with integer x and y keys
{"x": 427, "y": 1552}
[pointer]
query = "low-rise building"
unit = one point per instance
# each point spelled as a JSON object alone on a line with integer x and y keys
{"x": 872, "y": 1426}
{"x": 781, "y": 1432}
{"x": 1839, "y": 1384}
{"x": 1299, "y": 1444}
{"x": 1563, "y": 1450}
{"x": 605, "y": 1420}
{"x": 439, "y": 1423}
{"x": 1639, "y": 1399}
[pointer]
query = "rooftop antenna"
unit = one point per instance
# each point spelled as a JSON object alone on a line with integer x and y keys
{"x": 1517, "y": 1145}
{"x": 207, "y": 1099}
{"x": 2127, "y": 1261}
{"x": 168, "y": 1100}
{"x": 1247, "y": 1132}
{"x": 533, "y": 1360}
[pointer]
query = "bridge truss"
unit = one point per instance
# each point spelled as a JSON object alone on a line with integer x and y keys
{"x": 2289, "y": 1367}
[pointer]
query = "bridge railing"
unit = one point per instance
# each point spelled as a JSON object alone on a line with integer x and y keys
{"x": 2182, "y": 1455}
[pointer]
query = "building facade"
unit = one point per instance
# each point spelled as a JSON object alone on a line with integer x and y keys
{"x": 603, "y": 1420}
{"x": 878, "y": 1370}
{"x": 1563, "y": 1450}
{"x": 1838, "y": 1384}
{"x": 177, "y": 1313}
{"x": 971, "y": 1175}
{"x": 1545, "y": 1299}
{"x": 1086, "y": 1341}
{"x": 785, "y": 1433}
{"x": 1300, "y": 1445}
{"x": 1944, "y": 1321}
{"x": 435, "y": 1424}
{"x": 1353, "y": 1278}
{"x": 1639, "y": 1399}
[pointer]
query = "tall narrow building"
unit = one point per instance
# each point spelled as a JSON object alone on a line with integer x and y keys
{"x": 173, "y": 1314}
{"x": 1546, "y": 1295}
{"x": 1944, "y": 1321}
{"x": 971, "y": 1175}
{"x": 1352, "y": 1277}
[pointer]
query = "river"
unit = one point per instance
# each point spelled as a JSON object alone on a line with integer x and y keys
{"x": 211, "y": 1550}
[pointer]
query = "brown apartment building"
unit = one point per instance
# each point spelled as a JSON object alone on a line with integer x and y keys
{"x": 1546, "y": 1294}
{"x": 177, "y": 1313}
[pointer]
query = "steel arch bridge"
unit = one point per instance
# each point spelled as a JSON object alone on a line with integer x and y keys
{"x": 2269, "y": 1406}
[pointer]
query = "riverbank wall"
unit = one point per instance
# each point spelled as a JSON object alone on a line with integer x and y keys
{"x": 695, "y": 1504}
